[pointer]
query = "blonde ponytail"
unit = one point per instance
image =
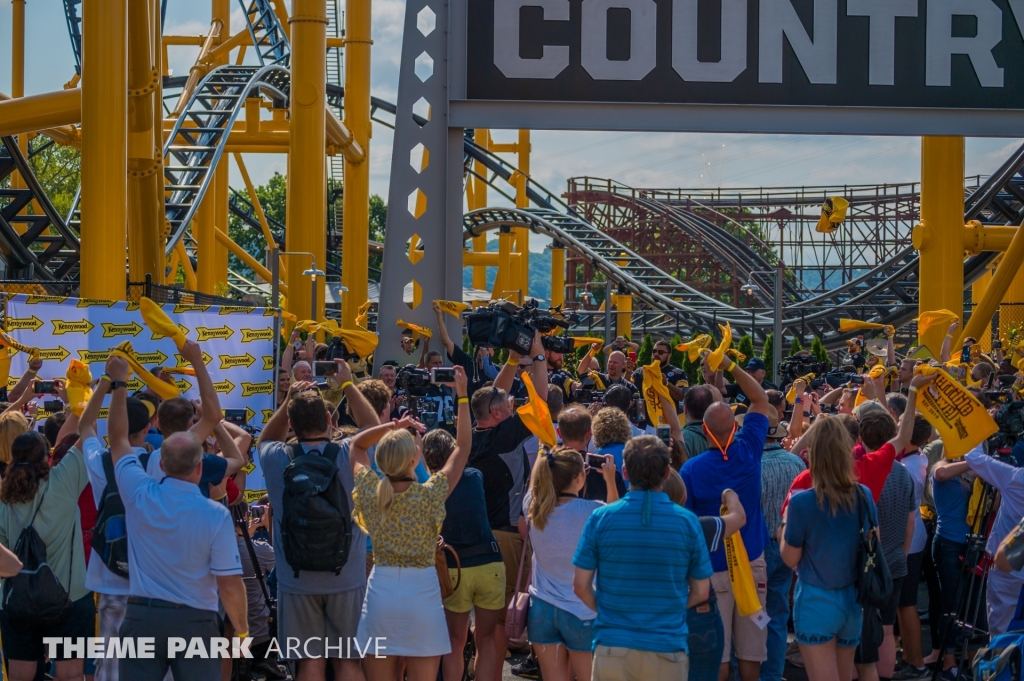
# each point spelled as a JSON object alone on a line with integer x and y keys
{"x": 394, "y": 455}
{"x": 552, "y": 473}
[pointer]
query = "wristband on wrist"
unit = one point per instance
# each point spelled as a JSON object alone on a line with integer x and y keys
{"x": 243, "y": 634}
{"x": 106, "y": 377}
{"x": 463, "y": 400}
{"x": 912, "y": 389}
{"x": 511, "y": 362}
{"x": 346, "y": 384}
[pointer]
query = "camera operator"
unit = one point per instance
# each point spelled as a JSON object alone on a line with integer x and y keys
{"x": 675, "y": 378}
{"x": 479, "y": 370}
{"x": 498, "y": 453}
{"x": 435, "y": 399}
{"x": 1003, "y": 587}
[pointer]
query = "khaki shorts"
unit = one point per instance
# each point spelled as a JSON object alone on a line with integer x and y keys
{"x": 304, "y": 621}
{"x": 511, "y": 546}
{"x": 627, "y": 664}
{"x": 749, "y": 640}
{"x": 482, "y": 586}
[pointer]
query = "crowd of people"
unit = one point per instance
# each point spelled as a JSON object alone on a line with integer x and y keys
{"x": 614, "y": 520}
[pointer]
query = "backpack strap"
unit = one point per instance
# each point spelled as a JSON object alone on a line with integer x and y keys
{"x": 144, "y": 460}
{"x": 294, "y": 450}
{"x": 108, "y": 470}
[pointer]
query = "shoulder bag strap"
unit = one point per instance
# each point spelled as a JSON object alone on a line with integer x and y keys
{"x": 108, "y": 470}
{"x": 522, "y": 557}
{"x": 257, "y": 570}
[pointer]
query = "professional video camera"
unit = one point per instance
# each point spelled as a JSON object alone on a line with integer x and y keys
{"x": 795, "y": 366}
{"x": 504, "y": 325}
{"x": 413, "y": 381}
{"x": 1010, "y": 419}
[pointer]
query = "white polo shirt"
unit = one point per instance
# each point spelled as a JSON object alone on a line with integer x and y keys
{"x": 98, "y": 576}
{"x": 180, "y": 541}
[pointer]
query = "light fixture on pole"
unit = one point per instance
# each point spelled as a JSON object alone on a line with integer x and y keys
{"x": 314, "y": 273}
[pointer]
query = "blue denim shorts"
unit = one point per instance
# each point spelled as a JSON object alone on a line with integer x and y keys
{"x": 547, "y": 624}
{"x": 820, "y": 615}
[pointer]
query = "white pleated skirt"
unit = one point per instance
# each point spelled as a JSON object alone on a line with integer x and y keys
{"x": 403, "y": 610}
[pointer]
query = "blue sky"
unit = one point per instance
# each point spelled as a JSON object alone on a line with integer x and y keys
{"x": 635, "y": 159}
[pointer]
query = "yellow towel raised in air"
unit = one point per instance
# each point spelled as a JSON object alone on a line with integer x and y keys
{"x": 962, "y": 421}
{"x": 452, "y": 307}
{"x": 693, "y": 347}
{"x": 654, "y": 390}
{"x": 417, "y": 331}
{"x": 363, "y": 314}
{"x": 165, "y": 390}
{"x": 847, "y": 325}
{"x": 536, "y": 416}
{"x": 932, "y": 328}
{"x": 716, "y": 358}
{"x": 740, "y": 575}
{"x": 157, "y": 321}
{"x": 8, "y": 342}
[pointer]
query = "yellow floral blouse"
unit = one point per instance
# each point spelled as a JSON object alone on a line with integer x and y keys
{"x": 408, "y": 537}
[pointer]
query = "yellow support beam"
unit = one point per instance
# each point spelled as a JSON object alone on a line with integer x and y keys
{"x": 981, "y": 318}
{"x": 200, "y": 68}
{"x": 48, "y": 110}
{"x": 501, "y": 280}
{"x": 978, "y": 238}
{"x": 479, "y": 194}
{"x": 978, "y": 289}
{"x": 356, "y": 196}
{"x": 104, "y": 108}
{"x": 471, "y": 259}
{"x": 221, "y": 12}
{"x": 939, "y": 236}
{"x": 18, "y": 74}
{"x": 229, "y": 244}
{"x": 557, "y": 274}
{"x": 254, "y": 199}
{"x": 522, "y": 234}
{"x": 306, "y": 217}
{"x": 186, "y": 264}
{"x": 623, "y": 314}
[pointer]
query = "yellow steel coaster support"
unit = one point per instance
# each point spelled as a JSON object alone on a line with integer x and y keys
{"x": 1011, "y": 311}
{"x": 18, "y": 78}
{"x": 186, "y": 264}
{"x": 254, "y": 199}
{"x": 522, "y": 234}
{"x": 356, "y": 197}
{"x": 981, "y": 318}
{"x": 221, "y": 12}
{"x": 38, "y": 112}
{"x": 201, "y": 67}
{"x": 479, "y": 200}
{"x": 104, "y": 107}
{"x": 623, "y": 314}
{"x": 472, "y": 259}
{"x": 938, "y": 237}
{"x": 558, "y": 274}
{"x": 306, "y": 218}
{"x": 145, "y": 179}
{"x": 501, "y": 280}
{"x": 978, "y": 289}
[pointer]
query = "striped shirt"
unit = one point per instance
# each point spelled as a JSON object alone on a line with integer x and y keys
{"x": 778, "y": 469}
{"x": 645, "y": 550}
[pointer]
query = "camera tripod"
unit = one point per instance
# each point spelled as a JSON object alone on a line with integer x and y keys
{"x": 961, "y": 625}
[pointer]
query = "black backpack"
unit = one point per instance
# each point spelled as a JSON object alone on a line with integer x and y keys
{"x": 34, "y": 597}
{"x": 110, "y": 534}
{"x": 316, "y": 521}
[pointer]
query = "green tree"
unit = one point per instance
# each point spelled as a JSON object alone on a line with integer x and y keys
{"x": 378, "y": 222}
{"x": 766, "y": 355}
{"x": 795, "y": 347}
{"x": 643, "y": 355}
{"x": 746, "y": 346}
{"x": 272, "y": 197}
{"x": 59, "y": 171}
{"x": 818, "y": 350}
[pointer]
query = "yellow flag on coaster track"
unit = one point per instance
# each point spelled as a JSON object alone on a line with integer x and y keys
{"x": 536, "y": 416}
{"x": 452, "y": 307}
{"x": 962, "y": 421}
{"x": 156, "y": 320}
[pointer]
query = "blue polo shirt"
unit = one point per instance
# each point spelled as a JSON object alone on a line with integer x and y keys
{"x": 709, "y": 474}
{"x": 645, "y": 549}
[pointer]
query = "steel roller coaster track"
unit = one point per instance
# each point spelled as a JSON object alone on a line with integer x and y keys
{"x": 885, "y": 293}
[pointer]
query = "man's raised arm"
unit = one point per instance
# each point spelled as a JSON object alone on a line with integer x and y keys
{"x": 211, "y": 404}
{"x": 752, "y": 389}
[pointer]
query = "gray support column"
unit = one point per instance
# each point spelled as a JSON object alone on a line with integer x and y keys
{"x": 425, "y": 197}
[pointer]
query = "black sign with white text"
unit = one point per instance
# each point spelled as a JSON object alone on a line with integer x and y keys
{"x": 931, "y": 54}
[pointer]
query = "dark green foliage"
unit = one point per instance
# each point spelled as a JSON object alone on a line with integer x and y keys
{"x": 766, "y": 355}
{"x": 746, "y": 345}
{"x": 795, "y": 347}
{"x": 643, "y": 355}
{"x": 818, "y": 350}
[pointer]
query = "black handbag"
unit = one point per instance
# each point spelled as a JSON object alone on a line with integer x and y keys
{"x": 874, "y": 581}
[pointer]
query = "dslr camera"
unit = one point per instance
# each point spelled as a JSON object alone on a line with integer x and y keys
{"x": 503, "y": 324}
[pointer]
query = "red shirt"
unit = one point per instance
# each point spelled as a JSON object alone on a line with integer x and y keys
{"x": 871, "y": 470}
{"x": 87, "y": 511}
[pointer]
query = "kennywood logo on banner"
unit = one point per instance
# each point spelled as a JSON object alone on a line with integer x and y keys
{"x": 234, "y": 340}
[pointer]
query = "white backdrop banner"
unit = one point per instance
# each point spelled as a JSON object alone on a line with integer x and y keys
{"x": 238, "y": 346}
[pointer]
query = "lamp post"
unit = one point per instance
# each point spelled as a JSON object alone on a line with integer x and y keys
{"x": 750, "y": 288}
{"x": 274, "y": 256}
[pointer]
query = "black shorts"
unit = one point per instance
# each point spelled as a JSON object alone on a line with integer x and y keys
{"x": 908, "y": 595}
{"x": 888, "y": 611}
{"x": 26, "y": 643}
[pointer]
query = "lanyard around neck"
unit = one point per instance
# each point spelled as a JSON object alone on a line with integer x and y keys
{"x": 728, "y": 441}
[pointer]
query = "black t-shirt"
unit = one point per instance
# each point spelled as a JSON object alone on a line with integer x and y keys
{"x": 474, "y": 373}
{"x": 608, "y": 383}
{"x": 714, "y": 535}
{"x": 519, "y": 390}
{"x": 733, "y": 391}
{"x": 498, "y": 453}
{"x": 465, "y": 526}
{"x": 564, "y": 380}
{"x": 595, "y": 487}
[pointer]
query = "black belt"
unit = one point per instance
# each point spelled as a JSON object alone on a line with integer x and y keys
{"x": 156, "y": 603}
{"x": 512, "y": 529}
